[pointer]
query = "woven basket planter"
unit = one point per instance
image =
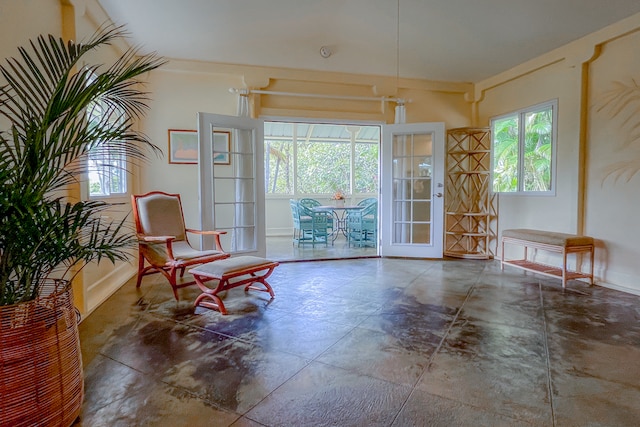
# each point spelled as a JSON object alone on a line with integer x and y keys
{"x": 41, "y": 380}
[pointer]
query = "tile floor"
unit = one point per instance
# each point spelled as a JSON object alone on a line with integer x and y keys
{"x": 368, "y": 342}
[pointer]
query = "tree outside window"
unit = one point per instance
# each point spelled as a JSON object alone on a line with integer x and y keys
{"x": 304, "y": 159}
{"x": 523, "y": 149}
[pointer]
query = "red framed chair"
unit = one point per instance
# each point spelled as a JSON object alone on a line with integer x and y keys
{"x": 162, "y": 239}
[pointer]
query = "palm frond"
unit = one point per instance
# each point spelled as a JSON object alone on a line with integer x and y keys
{"x": 48, "y": 104}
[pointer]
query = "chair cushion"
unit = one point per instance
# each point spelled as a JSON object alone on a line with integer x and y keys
{"x": 548, "y": 237}
{"x": 217, "y": 269}
{"x": 183, "y": 251}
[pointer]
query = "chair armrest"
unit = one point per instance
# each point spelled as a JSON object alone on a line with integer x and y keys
{"x": 207, "y": 232}
{"x": 214, "y": 233}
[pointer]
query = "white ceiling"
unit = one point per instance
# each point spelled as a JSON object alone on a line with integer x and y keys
{"x": 450, "y": 40}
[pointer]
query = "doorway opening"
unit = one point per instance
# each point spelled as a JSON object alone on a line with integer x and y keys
{"x": 318, "y": 161}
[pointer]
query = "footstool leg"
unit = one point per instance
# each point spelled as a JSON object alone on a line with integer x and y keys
{"x": 217, "y": 303}
{"x": 261, "y": 279}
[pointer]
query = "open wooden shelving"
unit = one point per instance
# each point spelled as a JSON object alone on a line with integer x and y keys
{"x": 470, "y": 206}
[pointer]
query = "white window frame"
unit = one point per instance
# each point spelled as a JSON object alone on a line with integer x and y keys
{"x": 521, "y": 141}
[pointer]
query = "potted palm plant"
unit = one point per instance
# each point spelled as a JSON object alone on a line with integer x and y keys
{"x": 48, "y": 127}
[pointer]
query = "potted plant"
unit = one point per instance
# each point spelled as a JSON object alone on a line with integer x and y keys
{"x": 47, "y": 130}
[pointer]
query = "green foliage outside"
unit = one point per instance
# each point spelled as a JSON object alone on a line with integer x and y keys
{"x": 536, "y": 170}
{"x": 323, "y": 167}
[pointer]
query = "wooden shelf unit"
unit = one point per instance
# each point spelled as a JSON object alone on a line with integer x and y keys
{"x": 470, "y": 205}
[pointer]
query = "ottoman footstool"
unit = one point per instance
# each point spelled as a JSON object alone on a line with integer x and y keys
{"x": 247, "y": 271}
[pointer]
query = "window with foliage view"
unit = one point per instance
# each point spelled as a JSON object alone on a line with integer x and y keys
{"x": 523, "y": 150}
{"x": 107, "y": 162}
{"x": 321, "y": 159}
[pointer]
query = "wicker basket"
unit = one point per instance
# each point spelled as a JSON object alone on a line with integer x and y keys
{"x": 40, "y": 361}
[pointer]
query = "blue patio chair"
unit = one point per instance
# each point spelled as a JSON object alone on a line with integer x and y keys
{"x": 313, "y": 203}
{"x": 309, "y": 226}
{"x": 368, "y": 201}
{"x": 362, "y": 225}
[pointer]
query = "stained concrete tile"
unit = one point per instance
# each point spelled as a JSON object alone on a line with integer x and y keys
{"x": 413, "y": 330}
{"x": 495, "y": 367}
{"x": 581, "y": 400}
{"x": 379, "y": 355}
{"x": 333, "y": 309}
{"x": 117, "y": 395}
{"x": 155, "y": 345}
{"x": 602, "y": 318}
{"x": 320, "y": 395}
{"x": 424, "y": 409}
{"x": 235, "y": 376}
{"x": 573, "y": 356}
{"x": 517, "y": 305}
{"x": 298, "y": 335}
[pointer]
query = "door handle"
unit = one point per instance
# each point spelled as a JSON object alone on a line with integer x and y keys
{"x": 438, "y": 194}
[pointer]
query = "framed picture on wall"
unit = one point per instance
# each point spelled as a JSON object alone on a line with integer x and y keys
{"x": 221, "y": 147}
{"x": 183, "y": 147}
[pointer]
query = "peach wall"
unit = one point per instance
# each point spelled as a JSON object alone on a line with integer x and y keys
{"x": 556, "y": 81}
{"x": 586, "y": 201}
{"x": 613, "y": 194}
{"x": 183, "y": 88}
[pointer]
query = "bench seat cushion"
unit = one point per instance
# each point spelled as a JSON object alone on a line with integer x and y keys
{"x": 548, "y": 237}
{"x": 218, "y": 269}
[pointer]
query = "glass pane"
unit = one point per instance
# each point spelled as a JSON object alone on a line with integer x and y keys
{"x": 421, "y": 233}
{"x": 412, "y": 156}
{"x": 422, "y": 211}
{"x": 366, "y": 168}
{"x": 537, "y": 150}
{"x": 323, "y": 167}
{"x": 505, "y": 154}
{"x": 278, "y": 166}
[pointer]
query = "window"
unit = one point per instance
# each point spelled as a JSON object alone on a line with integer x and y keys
{"x": 107, "y": 163}
{"x": 321, "y": 159}
{"x": 523, "y": 150}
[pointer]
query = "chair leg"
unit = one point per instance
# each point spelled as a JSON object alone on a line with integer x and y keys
{"x": 173, "y": 282}
{"x": 140, "y": 270}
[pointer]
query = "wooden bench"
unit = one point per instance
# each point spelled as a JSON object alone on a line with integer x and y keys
{"x": 230, "y": 273}
{"x": 561, "y": 243}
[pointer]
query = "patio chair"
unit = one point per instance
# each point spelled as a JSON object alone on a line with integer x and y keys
{"x": 310, "y": 226}
{"x": 162, "y": 239}
{"x": 313, "y": 203}
{"x": 362, "y": 225}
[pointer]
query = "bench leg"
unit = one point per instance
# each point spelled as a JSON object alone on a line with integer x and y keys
{"x": 211, "y": 294}
{"x": 591, "y": 282}
{"x": 564, "y": 268}
{"x": 209, "y": 297}
{"x": 261, "y": 279}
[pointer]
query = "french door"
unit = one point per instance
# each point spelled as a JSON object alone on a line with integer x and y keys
{"x": 231, "y": 182}
{"x": 412, "y": 190}
{"x": 231, "y": 186}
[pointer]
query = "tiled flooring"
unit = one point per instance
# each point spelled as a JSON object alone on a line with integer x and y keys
{"x": 368, "y": 342}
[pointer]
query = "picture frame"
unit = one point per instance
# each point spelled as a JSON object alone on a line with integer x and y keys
{"x": 221, "y": 147}
{"x": 183, "y": 147}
